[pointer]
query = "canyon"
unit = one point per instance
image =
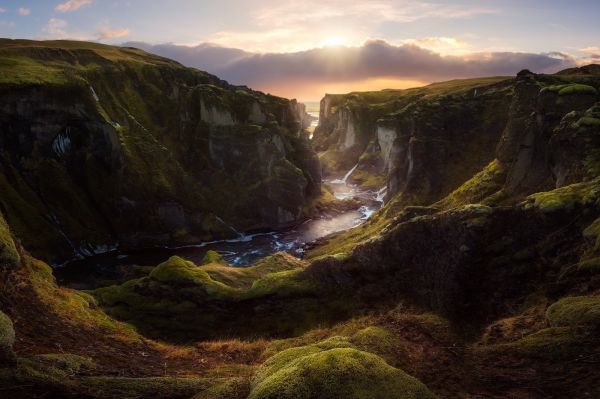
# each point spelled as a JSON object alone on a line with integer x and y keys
{"x": 467, "y": 267}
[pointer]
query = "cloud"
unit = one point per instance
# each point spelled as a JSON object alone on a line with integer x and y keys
{"x": 290, "y": 26}
{"x": 56, "y": 27}
{"x": 105, "y": 32}
{"x": 24, "y": 11}
{"x": 2, "y": 10}
{"x": 592, "y": 55}
{"x": 287, "y": 13}
{"x": 374, "y": 60}
{"x": 72, "y": 5}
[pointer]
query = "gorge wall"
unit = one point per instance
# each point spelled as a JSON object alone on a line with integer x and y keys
{"x": 430, "y": 140}
{"x": 103, "y": 146}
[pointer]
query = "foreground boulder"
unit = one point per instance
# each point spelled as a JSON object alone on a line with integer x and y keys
{"x": 311, "y": 373}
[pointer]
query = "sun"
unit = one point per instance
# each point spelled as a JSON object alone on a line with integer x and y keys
{"x": 334, "y": 41}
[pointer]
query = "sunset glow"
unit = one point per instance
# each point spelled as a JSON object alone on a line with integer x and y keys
{"x": 305, "y": 49}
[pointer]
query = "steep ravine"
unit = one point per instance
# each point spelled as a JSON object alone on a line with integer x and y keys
{"x": 478, "y": 277}
{"x": 168, "y": 156}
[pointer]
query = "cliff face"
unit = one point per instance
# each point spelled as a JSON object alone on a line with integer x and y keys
{"x": 431, "y": 140}
{"x": 104, "y": 146}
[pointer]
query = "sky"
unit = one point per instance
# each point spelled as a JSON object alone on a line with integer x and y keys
{"x": 304, "y": 49}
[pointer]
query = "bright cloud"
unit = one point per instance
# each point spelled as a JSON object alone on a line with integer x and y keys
{"x": 289, "y": 26}
{"x": 374, "y": 64}
{"x": 106, "y": 32}
{"x": 72, "y": 5}
{"x": 24, "y": 11}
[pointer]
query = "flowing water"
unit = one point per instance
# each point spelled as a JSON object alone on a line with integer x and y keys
{"x": 242, "y": 251}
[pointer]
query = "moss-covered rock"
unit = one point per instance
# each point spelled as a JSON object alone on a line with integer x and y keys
{"x": 575, "y": 311}
{"x": 7, "y": 337}
{"x": 334, "y": 373}
{"x": 9, "y": 257}
{"x": 213, "y": 257}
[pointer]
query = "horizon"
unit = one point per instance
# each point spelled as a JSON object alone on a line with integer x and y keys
{"x": 306, "y": 50}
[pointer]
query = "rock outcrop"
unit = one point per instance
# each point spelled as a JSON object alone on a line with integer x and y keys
{"x": 170, "y": 155}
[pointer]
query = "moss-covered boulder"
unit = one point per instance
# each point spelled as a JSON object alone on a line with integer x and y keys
{"x": 7, "y": 337}
{"x": 335, "y": 373}
{"x": 575, "y": 311}
{"x": 9, "y": 257}
{"x": 213, "y": 257}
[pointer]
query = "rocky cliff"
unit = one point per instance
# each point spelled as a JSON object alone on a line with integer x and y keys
{"x": 103, "y": 146}
{"x": 430, "y": 140}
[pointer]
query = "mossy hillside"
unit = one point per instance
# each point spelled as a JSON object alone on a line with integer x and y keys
{"x": 244, "y": 277}
{"x": 575, "y": 311}
{"x": 481, "y": 186}
{"x": 179, "y": 300}
{"x": 25, "y": 213}
{"x": 136, "y": 159}
{"x": 333, "y": 373}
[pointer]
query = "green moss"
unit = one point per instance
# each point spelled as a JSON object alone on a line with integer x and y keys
{"x": 571, "y": 88}
{"x": 575, "y": 311}
{"x": 213, "y": 257}
{"x": 576, "y": 88}
{"x": 235, "y": 388}
{"x": 381, "y": 342}
{"x": 154, "y": 387}
{"x": 335, "y": 373}
{"x": 8, "y": 251}
{"x": 554, "y": 344}
{"x": 244, "y": 277}
{"x": 566, "y": 197}
{"x": 484, "y": 184}
{"x": 69, "y": 363}
{"x": 178, "y": 271}
{"x": 368, "y": 180}
{"x": 284, "y": 283}
{"x": 7, "y": 335}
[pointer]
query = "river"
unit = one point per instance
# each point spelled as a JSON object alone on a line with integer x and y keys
{"x": 99, "y": 270}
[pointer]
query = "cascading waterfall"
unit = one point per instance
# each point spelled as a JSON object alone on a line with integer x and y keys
{"x": 230, "y": 227}
{"x": 345, "y": 179}
{"x": 381, "y": 194}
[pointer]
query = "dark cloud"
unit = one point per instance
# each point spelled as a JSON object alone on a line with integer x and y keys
{"x": 375, "y": 59}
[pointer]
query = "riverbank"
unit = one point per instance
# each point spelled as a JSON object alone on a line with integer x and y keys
{"x": 350, "y": 207}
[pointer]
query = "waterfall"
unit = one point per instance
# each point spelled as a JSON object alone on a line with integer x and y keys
{"x": 381, "y": 194}
{"x": 345, "y": 179}
{"x": 241, "y": 235}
